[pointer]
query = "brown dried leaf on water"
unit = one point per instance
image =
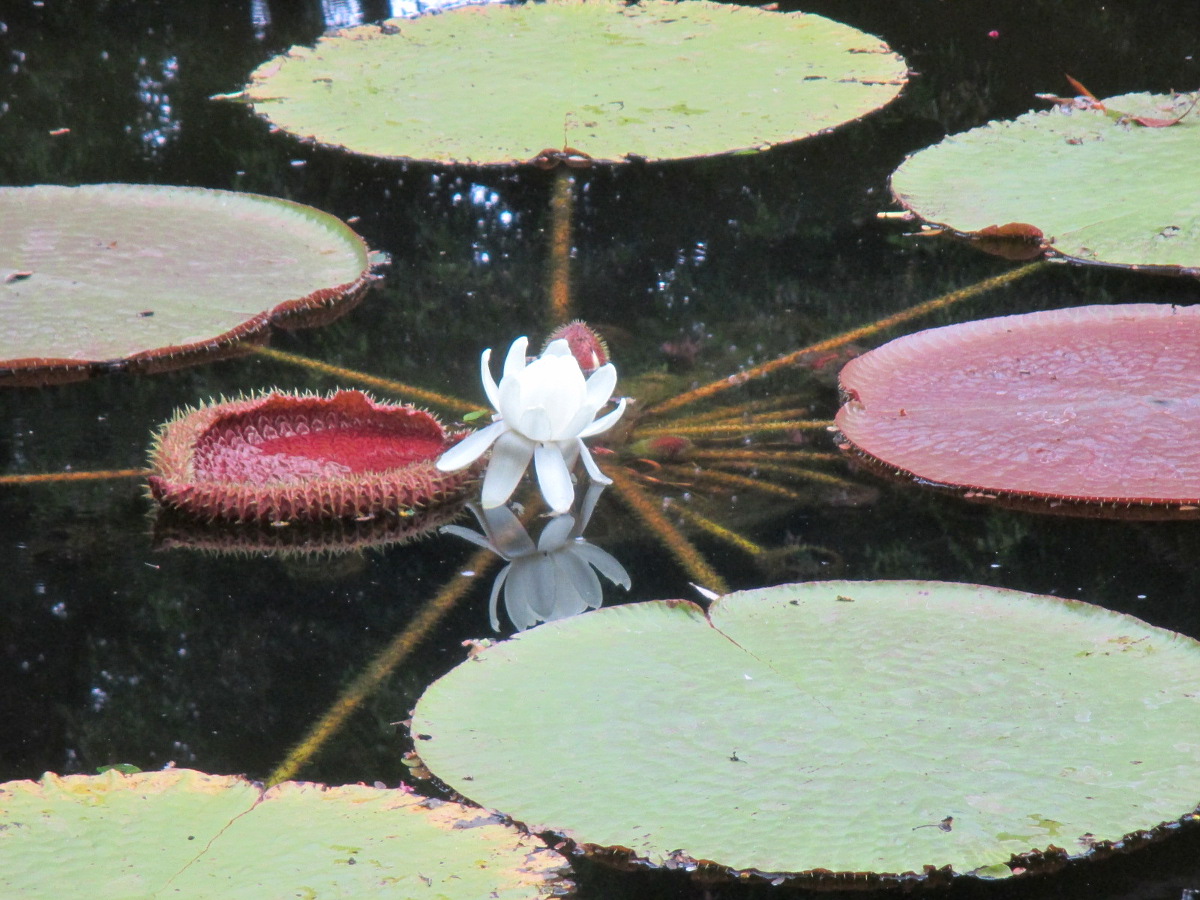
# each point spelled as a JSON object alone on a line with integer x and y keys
{"x": 1155, "y": 122}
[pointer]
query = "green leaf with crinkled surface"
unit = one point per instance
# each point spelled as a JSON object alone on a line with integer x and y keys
{"x": 1101, "y": 189}
{"x": 498, "y": 84}
{"x": 99, "y": 275}
{"x": 185, "y": 834}
{"x": 831, "y": 726}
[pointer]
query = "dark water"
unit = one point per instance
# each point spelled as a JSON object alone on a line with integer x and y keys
{"x": 112, "y": 651}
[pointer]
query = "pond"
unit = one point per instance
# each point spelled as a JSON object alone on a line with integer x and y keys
{"x": 116, "y": 649}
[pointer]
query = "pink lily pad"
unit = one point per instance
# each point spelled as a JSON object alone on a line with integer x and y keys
{"x": 1090, "y": 411}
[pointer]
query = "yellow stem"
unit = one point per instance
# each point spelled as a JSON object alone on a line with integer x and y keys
{"x": 648, "y": 509}
{"x": 736, "y": 430}
{"x": 793, "y": 472}
{"x": 732, "y": 416}
{"x": 73, "y": 476}
{"x": 733, "y": 412}
{"x": 708, "y": 390}
{"x": 562, "y": 213}
{"x": 720, "y": 532}
{"x": 406, "y": 391}
{"x": 776, "y": 416}
{"x": 382, "y": 666}
{"x": 728, "y": 479}
{"x": 757, "y": 456}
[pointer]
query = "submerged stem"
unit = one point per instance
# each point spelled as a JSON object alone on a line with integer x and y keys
{"x": 856, "y": 334}
{"x": 382, "y": 666}
{"x": 754, "y": 455}
{"x": 648, "y": 510}
{"x": 720, "y": 532}
{"x": 407, "y": 391}
{"x": 49, "y": 477}
{"x": 738, "y": 429}
{"x": 562, "y": 216}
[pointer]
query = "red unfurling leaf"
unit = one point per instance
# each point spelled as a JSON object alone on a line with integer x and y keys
{"x": 1015, "y": 240}
{"x": 1013, "y": 231}
{"x": 1081, "y": 90}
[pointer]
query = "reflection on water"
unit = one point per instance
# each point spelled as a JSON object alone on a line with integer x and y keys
{"x": 113, "y": 651}
{"x": 156, "y": 124}
{"x": 341, "y": 13}
{"x": 553, "y": 578}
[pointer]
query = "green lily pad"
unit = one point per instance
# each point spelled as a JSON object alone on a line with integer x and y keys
{"x": 182, "y": 833}
{"x": 1100, "y": 187}
{"x": 498, "y": 84}
{"x": 831, "y": 732}
{"x": 112, "y": 276}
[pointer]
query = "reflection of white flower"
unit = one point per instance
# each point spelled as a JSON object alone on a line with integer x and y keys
{"x": 553, "y": 579}
{"x": 544, "y": 410}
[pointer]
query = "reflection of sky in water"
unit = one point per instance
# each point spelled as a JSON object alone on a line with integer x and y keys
{"x": 494, "y": 220}
{"x": 155, "y": 124}
{"x": 260, "y": 18}
{"x": 341, "y": 13}
{"x": 674, "y": 283}
{"x": 16, "y": 60}
{"x": 346, "y": 13}
{"x": 410, "y": 8}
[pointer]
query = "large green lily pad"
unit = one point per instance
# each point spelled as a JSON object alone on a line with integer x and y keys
{"x": 136, "y": 276}
{"x": 823, "y": 730}
{"x": 498, "y": 84}
{"x": 181, "y": 833}
{"x": 1099, "y": 186}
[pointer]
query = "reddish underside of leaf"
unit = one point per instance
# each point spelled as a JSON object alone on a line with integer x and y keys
{"x": 284, "y": 457}
{"x": 1091, "y": 405}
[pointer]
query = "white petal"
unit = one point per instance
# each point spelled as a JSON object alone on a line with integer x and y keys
{"x": 556, "y": 533}
{"x": 496, "y": 586}
{"x": 584, "y": 583}
{"x": 515, "y": 361}
{"x": 561, "y": 347}
{"x": 510, "y": 459}
{"x": 521, "y": 591}
{"x": 553, "y": 477}
{"x": 605, "y": 422}
{"x": 547, "y": 591}
{"x": 505, "y": 532}
{"x": 570, "y": 452}
{"x": 489, "y": 383}
{"x": 604, "y": 562}
{"x": 467, "y": 534}
{"x": 546, "y": 399}
{"x": 600, "y": 386}
{"x": 470, "y": 448}
{"x": 542, "y": 589}
{"x": 590, "y": 498}
{"x": 593, "y": 470}
{"x": 536, "y": 424}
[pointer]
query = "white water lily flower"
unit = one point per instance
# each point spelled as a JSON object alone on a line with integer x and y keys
{"x": 544, "y": 410}
{"x": 552, "y": 579}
